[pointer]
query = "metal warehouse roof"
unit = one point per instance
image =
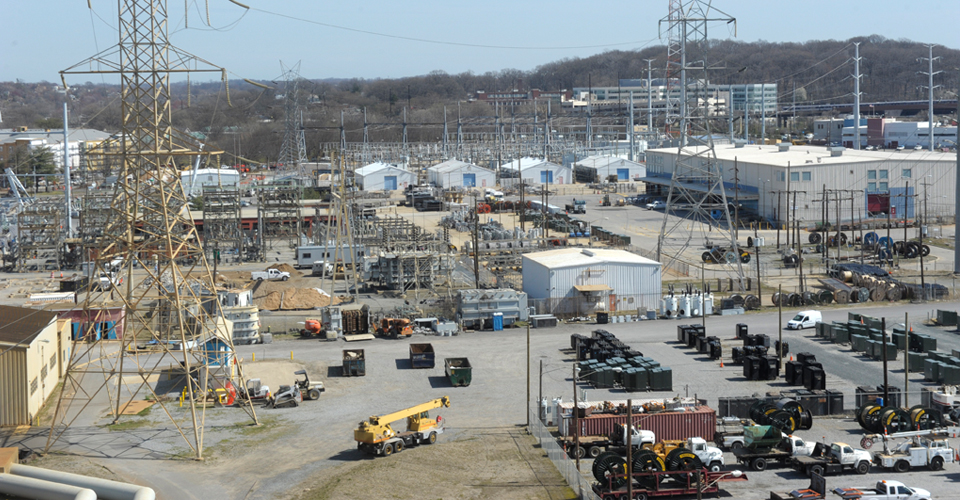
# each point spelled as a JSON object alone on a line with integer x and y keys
{"x": 574, "y": 257}
{"x": 376, "y": 167}
{"x": 798, "y": 156}
{"x": 599, "y": 161}
{"x": 524, "y": 163}
{"x": 454, "y": 165}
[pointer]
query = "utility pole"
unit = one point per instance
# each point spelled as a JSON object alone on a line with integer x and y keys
{"x": 956, "y": 204}
{"x": 763, "y": 114}
{"x": 628, "y": 440}
{"x": 923, "y": 220}
{"x": 736, "y": 203}
{"x": 906, "y": 360}
{"x": 649, "y": 96}
{"x": 476, "y": 242}
{"x": 856, "y": 96}
{"x": 788, "y": 203}
{"x": 886, "y": 386}
{"x": 930, "y": 86}
{"x": 629, "y": 156}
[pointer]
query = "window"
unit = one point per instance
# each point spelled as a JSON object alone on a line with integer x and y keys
{"x": 53, "y": 361}
{"x": 908, "y": 173}
{"x": 43, "y": 372}
{"x": 781, "y": 176}
{"x": 33, "y": 386}
{"x": 883, "y": 174}
{"x": 871, "y": 174}
{"x": 794, "y": 176}
{"x": 806, "y": 176}
{"x": 883, "y": 186}
{"x": 307, "y": 256}
{"x": 871, "y": 186}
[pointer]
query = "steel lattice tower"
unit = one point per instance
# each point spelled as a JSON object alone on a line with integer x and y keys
{"x": 293, "y": 151}
{"x": 696, "y": 201}
{"x": 171, "y": 333}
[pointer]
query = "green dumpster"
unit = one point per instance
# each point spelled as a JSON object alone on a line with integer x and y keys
{"x": 459, "y": 371}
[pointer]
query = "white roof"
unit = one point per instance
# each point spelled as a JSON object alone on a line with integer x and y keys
{"x": 797, "y": 156}
{"x": 575, "y": 257}
{"x": 606, "y": 161}
{"x": 524, "y": 163}
{"x": 454, "y": 165}
{"x": 376, "y": 167}
{"x": 210, "y": 171}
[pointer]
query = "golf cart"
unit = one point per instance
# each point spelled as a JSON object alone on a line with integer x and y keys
{"x": 310, "y": 390}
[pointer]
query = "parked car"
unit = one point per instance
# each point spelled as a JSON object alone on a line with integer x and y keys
{"x": 655, "y": 205}
{"x": 804, "y": 319}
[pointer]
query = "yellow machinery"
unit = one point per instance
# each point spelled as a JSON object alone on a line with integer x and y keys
{"x": 375, "y": 436}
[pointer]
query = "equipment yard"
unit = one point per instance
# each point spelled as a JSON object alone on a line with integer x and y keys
{"x": 308, "y": 452}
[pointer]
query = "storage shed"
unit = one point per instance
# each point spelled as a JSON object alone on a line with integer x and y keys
{"x": 538, "y": 171}
{"x": 35, "y": 349}
{"x": 459, "y": 174}
{"x": 600, "y": 168}
{"x": 584, "y": 281}
{"x": 383, "y": 177}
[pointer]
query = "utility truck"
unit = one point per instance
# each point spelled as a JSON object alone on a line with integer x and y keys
{"x": 592, "y": 446}
{"x": 729, "y": 434}
{"x": 835, "y": 458}
{"x": 928, "y": 448}
{"x": 375, "y": 436}
{"x": 884, "y": 490}
{"x": 270, "y": 274}
{"x": 765, "y": 443}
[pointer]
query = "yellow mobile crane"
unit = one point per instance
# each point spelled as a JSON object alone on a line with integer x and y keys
{"x": 375, "y": 436}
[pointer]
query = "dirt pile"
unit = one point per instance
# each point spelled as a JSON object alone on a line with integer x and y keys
{"x": 285, "y": 268}
{"x": 292, "y": 299}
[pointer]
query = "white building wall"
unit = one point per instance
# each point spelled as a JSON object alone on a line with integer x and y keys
{"x": 634, "y": 285}
{"x": 533, "y": 173}
{"x": 374, "y": 181}
{"x": 224, "y": 178}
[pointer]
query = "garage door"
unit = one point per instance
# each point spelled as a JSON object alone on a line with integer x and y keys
{"x": 546, "y": 177}
{"x": 390, "y": 182}
{"x": 470, "y": 180}
{"x": 623, "y": 174}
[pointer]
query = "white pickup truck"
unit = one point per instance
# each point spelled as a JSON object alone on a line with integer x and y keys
{"x": 919, "y": 452}
{"x": 270, "y": 274}
{"x": 884, "y": 490}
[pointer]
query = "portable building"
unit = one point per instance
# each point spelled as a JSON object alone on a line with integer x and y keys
{"x": 538, "y": 171}
{"x": 600, "y": 168}
{"x": 584, "y": 281}
{"x": 459, "y": 174}
{"x": 383, "y": 177}
{"x": 219, "y": 178}
{"x": 34, "y": 353}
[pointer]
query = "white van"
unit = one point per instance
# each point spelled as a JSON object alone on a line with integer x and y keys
{"x": 804, "y": 319}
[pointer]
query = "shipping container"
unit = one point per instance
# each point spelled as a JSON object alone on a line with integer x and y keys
{"x": 695, "y": 422}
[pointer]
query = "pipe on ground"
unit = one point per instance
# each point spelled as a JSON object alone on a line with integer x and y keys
{"x": 28, "y": 487}
{"x": 104, "y": 488}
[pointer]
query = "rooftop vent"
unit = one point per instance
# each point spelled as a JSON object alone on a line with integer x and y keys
{"x": 588, "y": 253}
{"x": 836, "y": 150}
{"x": 784, "y": 146}
{"x": 739, "y": 143}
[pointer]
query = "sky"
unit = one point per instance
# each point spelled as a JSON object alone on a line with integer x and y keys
{"x": 390, "y": 39}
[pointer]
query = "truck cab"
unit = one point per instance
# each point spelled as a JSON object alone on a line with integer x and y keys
{"x": 711, "y": 456}
{"x": 270, "y": 274}
{"x": 797, "y": 447}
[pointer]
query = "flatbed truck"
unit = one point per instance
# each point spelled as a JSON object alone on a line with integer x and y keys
{"x": 835, "y": 458}
{"x": 665, "y": 484}
{"x": 593, "y": 446}
{"x": 766, "y": 444}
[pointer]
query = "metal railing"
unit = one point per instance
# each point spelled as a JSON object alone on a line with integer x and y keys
{"x": 564, "y": 464}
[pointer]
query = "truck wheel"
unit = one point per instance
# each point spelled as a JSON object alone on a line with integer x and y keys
{"x": 580, "y": 452}
{"x": 260, "y": 279}
{"x": 398, "y": 446}
{"x": 715, "y": 467}
{"x": 388, "y": 450}
{"x": 640, "y": 496}
{"x": 759, "y": 464}
{"x": 594, "y": 451}
{"x": 432, "y": 438}
{"x": 314, "y": 394}
{"x": 901, "y": 466}
{"x": 815, "y": 469}
{"x": 737, "y": 445}
{"x": 936, "y": 463}
{"x": 863, "y": 467}
{"x": 285, "y": 278}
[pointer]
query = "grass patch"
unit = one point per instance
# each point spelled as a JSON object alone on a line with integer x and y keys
{"x": 146, "y": 411}
{"x": 939, "y": 242}
{"x": 128, "y": 424}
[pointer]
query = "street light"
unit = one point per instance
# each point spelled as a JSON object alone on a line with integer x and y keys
{"x": 577, "y": 451}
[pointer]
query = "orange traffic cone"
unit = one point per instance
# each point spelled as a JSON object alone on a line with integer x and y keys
{"x": 791, "y": 357}
{"x": 721, "y": 362}
{"x": 61, "y": 274}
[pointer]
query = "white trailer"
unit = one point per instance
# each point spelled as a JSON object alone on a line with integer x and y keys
{"x": 307, "y": 255}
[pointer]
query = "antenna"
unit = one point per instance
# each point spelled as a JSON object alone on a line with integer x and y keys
{"x": 856, "y": 96}
{"x": 930, "y": 86}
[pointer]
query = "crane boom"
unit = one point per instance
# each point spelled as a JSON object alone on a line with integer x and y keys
{"x": 413, "y": 410}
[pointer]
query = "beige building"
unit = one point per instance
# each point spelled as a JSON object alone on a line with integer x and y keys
{"x": 34, "y": 351}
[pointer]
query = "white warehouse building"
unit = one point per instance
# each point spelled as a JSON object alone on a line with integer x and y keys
{"x": 876, "y": 180}
{"x": 383, "y": 177}
{"x": 539, "y": 171}
{"x": 598, "y": 168}
{"x": 584, "y": 281}
{"x": 458, "y": 174}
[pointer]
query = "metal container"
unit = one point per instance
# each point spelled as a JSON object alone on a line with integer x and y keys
{"x": 697, "y": 422}
{"x": 950, "y": 374}
{"x": 459, "y": 371}
{"x": 915, "y": 361}
{"x": 835, "y": 398}
{"x": 422, "y": 356}
{"x": 354, "y": 363}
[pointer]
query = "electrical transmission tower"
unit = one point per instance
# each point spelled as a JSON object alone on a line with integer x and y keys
{"x": 293, "y": 151}
{"x": 165, "y": 331}
{"x": 696, "y": 201}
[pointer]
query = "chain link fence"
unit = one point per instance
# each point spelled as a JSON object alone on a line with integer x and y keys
{"x": 560, "y": 459}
